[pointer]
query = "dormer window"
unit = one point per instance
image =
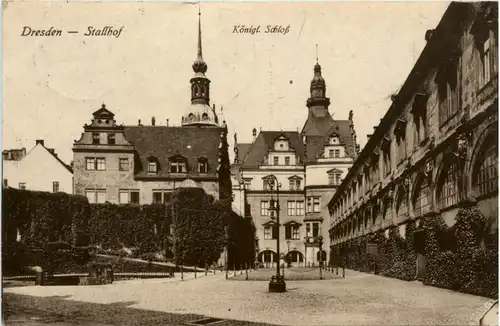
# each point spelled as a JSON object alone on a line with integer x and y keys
{"x": 334, "y": 177}
{"x": 204, "y": 117}
{"x": 178, "y": 164}
{"x": 281, "y": 144}
{"x": 202, "y": 165}
{"x": 152, "y": 165}
{"x": 111, "y": 139}
{"x": 96, "y": 139}
{"x": 334, "y": 139}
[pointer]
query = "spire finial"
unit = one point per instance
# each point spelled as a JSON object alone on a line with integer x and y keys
{"x": 316, "y": 53}
{"x": 200, "y": 55}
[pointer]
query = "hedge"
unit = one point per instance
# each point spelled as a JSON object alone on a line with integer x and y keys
{"x": 455, "y": 257}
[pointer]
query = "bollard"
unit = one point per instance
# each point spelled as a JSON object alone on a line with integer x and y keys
{"x": 343, "y": 271}
{"x": 337, "y": 270}
{"x": 241, "y": 270}
{"x": 246, "y": 274}
{"x": 226, "y": 272}
{"x": 195, "y": 268}
{"x": 182, "y": 273}
{"x": 206, "y": 270}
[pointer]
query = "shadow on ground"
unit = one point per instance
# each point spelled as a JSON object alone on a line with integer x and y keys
{"x": 86, "y": 313}
{"x": 291, "y": 274}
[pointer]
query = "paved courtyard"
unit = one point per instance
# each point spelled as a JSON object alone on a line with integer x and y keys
{"x": 359, "y": 299}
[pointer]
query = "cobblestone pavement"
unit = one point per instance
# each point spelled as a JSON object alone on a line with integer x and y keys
{"x": 359, "y": 299}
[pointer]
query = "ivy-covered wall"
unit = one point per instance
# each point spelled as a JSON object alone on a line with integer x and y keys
{"x": 455, "y": 257}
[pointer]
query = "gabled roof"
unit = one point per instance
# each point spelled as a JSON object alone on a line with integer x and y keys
{"x": 164, "y": 142}
{"x": 334, "y": 170}
{"x": 103, "y": 113}
{"x": 54, "y": 155}
{"x": 292, "y": 222}
{"x": 269, "y": 223}
{"x": 265, "y": 142}
{"x": 316, "y": 142}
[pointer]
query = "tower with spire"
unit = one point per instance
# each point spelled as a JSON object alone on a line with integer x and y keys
{"x": 318, "y": 102}
{"x": 199, "y": 112}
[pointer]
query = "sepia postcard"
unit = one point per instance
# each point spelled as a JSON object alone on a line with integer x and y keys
{"x": 249, "y": 163}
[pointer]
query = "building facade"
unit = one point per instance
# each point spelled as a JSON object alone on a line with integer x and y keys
{"x": 144, "y": 164}
{"x": 309, "y": 167}
{"x": 437, "y": 144}
{"x": 40, "y": 169}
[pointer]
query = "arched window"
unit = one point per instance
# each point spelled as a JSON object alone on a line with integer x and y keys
{"x": 367, "y": 217}
{"x": 422, "y": 197}
{"x": 360, "y": 221}
{"x": 191, "y": 116}
{"x": 447, "y": 193}
{"x": 387, "y": 209}
{"x": 402, "y": 203}
{"x": 295, "y": 256}
{"x": 204, "y": 116}
{"x": 485, "y": 174}
{"x": 202, "y": 165}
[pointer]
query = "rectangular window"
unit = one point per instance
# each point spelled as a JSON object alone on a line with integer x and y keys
{"x": 90, "y": 163}
{"x": 111, "y": 139}
{"x": 96, "y": 139}
{"x": 157, "y": 197}
{"x": 182, "y": 167}
{"x": 387, "y": 161}
{"x": 309, "y": 205}
{"x": 123, "y": 164}
{"x": 267, "y": 233}
{"x": 248, "y": 184}
{"x": 296, "y": 232}
{"x": 331, "y": 179}
{"x": 486, "y": 59}
{"x": 202, "y": 167}
{"x": 308, "y": 229}
{"x": 55, "y": 186}
{"x": 300, "y": 207}
{"x": 167, "y": 197}
{"x": 288, "y": 232}
{"x": 294, "y": 184}
{"x": 315, "y": 230}
{"x": 22, "y": 185}
{"x": 337, "y": 153}
{"x": 276, "y": 160}
{"x": 124, "y": 197}
{"x": 287, "y": 160}
{"x": 101, "y": 164}
{"x": 337, "y": 178}
{"x": 316, "y": 206}
{"x": 5, "y": 183}
{"x": 264, "y": 208}
{"x": 265, "y": 185}
{"x": 291, "y": 207}
{"x": 330, "y": 153}
{"x": 152, "y": 167}
{"x": 96, "y": 196}
{"x": 134, "y": 197}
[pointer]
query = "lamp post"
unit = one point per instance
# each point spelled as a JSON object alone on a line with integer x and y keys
{"x": 320, "y": 242}
{"x": 288, "y": 253}
{"x": 277, "y": 283}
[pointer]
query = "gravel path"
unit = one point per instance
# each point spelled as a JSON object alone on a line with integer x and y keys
{"x": 359, "y": 299}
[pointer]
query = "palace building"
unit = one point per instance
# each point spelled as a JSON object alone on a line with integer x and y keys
{"x": 144, "y": 164}
{"x": 437, "y": 144}
{"x": 309, "y": 167}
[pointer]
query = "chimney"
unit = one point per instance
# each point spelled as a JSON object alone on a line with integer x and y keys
{"x": 39, "y": 141}
{"x": 368, "y": 137}
{"x": 51, "y": 150}
{"x": 254, "y": 134}
{"x": 153, "y": 120}
{"x": 167, "y": 122}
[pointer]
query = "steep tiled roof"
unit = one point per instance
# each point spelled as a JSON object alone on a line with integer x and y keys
{"x": 315, "y": 143}
{"x": 164, "y": 142}
{"x": 243, "y": 150}
{"x": 265, "y": 142}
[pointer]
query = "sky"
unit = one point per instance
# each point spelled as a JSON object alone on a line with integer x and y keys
{"x": 52, "y": 85}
